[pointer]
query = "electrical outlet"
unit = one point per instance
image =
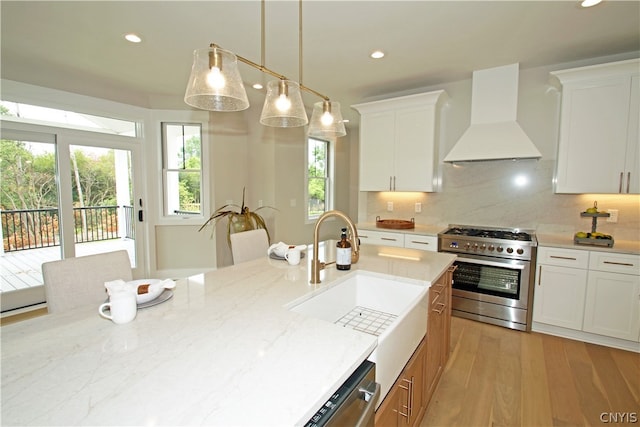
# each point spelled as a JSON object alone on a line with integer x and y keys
{"x": 613, "y": 215}
{"x": 418, "y": 207}
{"x": 390, "y": 206}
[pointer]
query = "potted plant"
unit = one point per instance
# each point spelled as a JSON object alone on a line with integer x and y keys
{"x": 239, "y": 218}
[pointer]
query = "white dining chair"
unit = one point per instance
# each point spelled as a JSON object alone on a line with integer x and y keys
{"x": 73, "y": 282}
{"x": 249, "y": 245}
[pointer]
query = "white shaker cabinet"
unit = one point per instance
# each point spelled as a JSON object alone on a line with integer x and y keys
{"x": 398, "y": 143}
{"x": 612, "y": 305}
{"x": 598, "y": 143}
{"x": 561, "y": 285}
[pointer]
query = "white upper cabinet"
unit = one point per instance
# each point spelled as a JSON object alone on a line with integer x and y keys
{"x": 398, "y": 143}
{"x": 598, "y": 145}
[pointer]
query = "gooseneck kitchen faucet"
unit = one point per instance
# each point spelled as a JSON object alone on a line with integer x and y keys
{"x": 316, "y": 265}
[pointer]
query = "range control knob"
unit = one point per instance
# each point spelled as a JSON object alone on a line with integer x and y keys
{"x": 520, "y": 251}
{"x": 491, "y": 247}
{"x": 510, "y": 250}
{"x": 475, "y": 247}
{"x": 467, "y": 245}
{"x": 483, "y": 247}
{"x": 500, "y": 249}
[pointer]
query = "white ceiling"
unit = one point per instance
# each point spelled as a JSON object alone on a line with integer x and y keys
{"x": 78, "y": 46}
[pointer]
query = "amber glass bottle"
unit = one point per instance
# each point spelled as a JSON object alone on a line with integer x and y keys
{"x": 343, "y": 253}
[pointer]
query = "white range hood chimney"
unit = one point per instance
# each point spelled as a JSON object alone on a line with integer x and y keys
{"x": 494, "y": 133}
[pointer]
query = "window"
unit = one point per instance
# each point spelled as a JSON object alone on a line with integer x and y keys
{"x": 182, "y": 168}
{"x": 319, "y": 178}
{"x": 37, "y": 115}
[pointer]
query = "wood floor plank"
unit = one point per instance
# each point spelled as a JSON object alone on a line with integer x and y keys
{"x": 499, "y": 377}
{"x": 614, "y": 385}
{"x": 536, "y": 405}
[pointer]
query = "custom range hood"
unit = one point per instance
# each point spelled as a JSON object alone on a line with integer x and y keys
{"x": 494, "y": 133}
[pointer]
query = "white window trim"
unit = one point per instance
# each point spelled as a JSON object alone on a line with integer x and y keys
{"x": 187, "y": 117}
{"x": 329, "y": 197}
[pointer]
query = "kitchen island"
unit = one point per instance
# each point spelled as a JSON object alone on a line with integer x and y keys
{"x": 223, "y": 351}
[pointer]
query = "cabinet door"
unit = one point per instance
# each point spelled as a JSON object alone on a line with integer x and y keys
{"x": 435, "y": 343}
{"x": 370, "y": 237}
{"x": 632, "y": 166}
{"x": 377, "y": 132}
{"x": 425, "y": 243}
{"x": 613, "y": 305}
{"x": 593, "y": 136}
{"x": 387, "y": 414}
{"x": 559, "y": 296}
{"x": 414, "y": 149}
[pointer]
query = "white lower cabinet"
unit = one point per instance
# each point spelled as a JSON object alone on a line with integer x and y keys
{"x": 398, "y": 239}
{"x": 613, "y": 306}
{"x": 559, "y": 296}
{"x": 371, "y": 237}
{"x": 594, "y": 293}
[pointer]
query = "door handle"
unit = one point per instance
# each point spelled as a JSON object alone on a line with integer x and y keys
{"x": 140, "y": 216}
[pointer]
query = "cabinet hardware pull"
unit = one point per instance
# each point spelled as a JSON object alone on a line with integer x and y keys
{"x": 420, "y": 243}
{"x": 442, "y": 307}
{"x": 437, "y": 285}
{"x": 626, "y": 264}
{"x": 392, "y": 239}
{"x": 539, "y": 274}
{"x": 394, "y": 183}
{"x": 628, "y": 180}
{"x": 620, "y": 186}
{"x": 563, "y": 257}
{"x": 363, "y": 236}
{"x": 391, "y": 188}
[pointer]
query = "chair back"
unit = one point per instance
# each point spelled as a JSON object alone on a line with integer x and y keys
{"x": 249, "y": 245}
{"x": 73, "y": 282}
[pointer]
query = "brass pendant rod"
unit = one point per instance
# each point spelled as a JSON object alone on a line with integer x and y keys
{"x": 273, "y": 73}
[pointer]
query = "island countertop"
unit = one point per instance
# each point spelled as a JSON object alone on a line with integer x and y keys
{"x": 223, "y": 351}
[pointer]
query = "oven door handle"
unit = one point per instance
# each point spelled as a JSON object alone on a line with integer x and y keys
{"x": 491, "y": 263}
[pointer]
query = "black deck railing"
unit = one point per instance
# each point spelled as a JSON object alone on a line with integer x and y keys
{"x": 39, "y": 228}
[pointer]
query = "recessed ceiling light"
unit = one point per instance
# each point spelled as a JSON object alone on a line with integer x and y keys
{"x": 133, "y": 38}
{"x": 589, "y": 3}
{"x": 257, "y": 86}
{"x": 377, "y": 54}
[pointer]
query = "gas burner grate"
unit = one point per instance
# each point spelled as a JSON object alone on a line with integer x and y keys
{"x": 491, "y": 234}
{"x": 366, "y": 320}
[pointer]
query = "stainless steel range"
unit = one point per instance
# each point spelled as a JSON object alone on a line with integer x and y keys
{"x": 493, "y": 281}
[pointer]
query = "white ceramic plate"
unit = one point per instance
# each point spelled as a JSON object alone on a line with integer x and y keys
{"x": 154, "y": 292}
{"x": 164, "y": 296}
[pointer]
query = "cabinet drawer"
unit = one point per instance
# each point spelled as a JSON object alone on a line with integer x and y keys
{"x": 370, "y": 237}
{"x": 615, "y": 263}
{"x": 563, "y": 257}
{"x": 426, "y": 243}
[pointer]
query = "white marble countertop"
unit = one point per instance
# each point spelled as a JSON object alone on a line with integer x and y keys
{"x": 223, "y": 351}
{"x": 565, "y": 240}
{"x": 427, "y": 230}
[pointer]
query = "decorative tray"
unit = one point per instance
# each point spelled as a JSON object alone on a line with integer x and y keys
{"x": 397, "y": 224}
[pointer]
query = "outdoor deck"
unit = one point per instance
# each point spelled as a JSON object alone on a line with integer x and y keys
{"x": 21, "y": 269}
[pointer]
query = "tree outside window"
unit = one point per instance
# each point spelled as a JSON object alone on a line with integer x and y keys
{"x": 182, "y": 159}
{"x": 318, "y": 178}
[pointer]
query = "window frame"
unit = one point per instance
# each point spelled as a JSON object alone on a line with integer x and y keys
{"x": 165, "y": 169}
{"x": 329, "y": 178}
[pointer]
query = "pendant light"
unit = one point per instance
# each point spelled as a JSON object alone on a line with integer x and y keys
{"x": 326, "y": 120}
{"x": 215, "y": 83}
{"x": 283, "y": 106}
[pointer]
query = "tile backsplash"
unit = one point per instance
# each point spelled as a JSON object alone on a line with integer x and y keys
{"x": 515, "y": 194}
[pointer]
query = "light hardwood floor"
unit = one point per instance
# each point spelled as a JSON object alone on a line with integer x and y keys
{"x": 500, "y": 377}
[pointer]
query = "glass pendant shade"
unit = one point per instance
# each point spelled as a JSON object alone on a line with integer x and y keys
{"x": 215, "y": 83}
{"x": 283, "y": 105}
{"x": 326, "y": 120}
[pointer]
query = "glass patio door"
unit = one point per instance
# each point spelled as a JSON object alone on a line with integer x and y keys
{"x": 77, "y": 196}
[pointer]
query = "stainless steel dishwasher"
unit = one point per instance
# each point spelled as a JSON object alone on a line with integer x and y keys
{"x": 353, "y": 404}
